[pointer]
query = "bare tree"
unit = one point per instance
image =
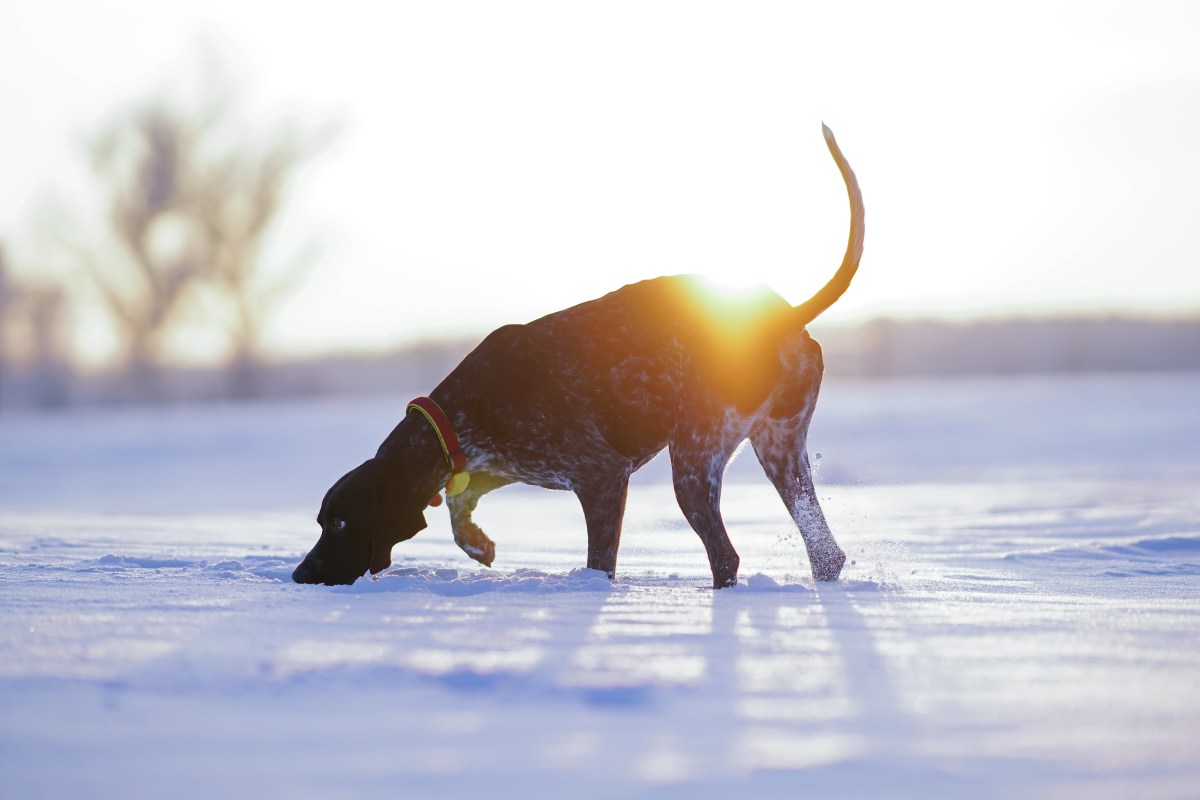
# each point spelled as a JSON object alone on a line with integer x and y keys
{"x": 144, "y": 160}
{"x": 33, "y": 359}
{"x": 190, "y": 200}
{"x": 50, "y": 374}
{"x": 239, "y": 197}
{"x": 5, "y": 306}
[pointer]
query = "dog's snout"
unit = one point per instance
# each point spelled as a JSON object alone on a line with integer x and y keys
{"x": 326, "y": 571}
{"x": 307, "y": 571}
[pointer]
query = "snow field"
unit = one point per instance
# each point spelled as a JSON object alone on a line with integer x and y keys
{"x": 1020, "y": 624}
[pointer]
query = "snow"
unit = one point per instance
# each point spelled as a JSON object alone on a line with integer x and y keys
{"x": 1019, "y": 617}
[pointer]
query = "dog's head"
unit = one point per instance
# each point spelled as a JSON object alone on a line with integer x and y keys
{"x": 362, "y": 516}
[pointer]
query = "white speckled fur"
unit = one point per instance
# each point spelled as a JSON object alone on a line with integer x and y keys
{"x": 579, "y": 457}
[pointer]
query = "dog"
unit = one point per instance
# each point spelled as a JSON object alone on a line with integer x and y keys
{"x": 582, "y": 398}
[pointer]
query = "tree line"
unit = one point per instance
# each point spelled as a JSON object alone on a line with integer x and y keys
{"x": 186, "y": 197}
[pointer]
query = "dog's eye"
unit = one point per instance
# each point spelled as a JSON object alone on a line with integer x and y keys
{"x": 338, "y": 524}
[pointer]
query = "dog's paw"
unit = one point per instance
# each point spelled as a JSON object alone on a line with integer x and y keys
{"x": 725, "y": 582}
{"x": 485, "y": 555}
{"x": 725, "y": 570}
{"x": 483, "y": 552}
{"x": 827, "y": 564}
{"x": 475, "y": 543}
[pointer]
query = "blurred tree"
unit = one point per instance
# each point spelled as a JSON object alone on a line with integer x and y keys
{"x": 144, "y": 159}
{"x": 239, "y": 196}
{"x": 5, "y": 304}
{"x": 189, "y": 201}
{"x": 32, "y": 352}
{"x": 50, "y": 371}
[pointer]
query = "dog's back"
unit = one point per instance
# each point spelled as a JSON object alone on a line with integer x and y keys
{"x": 627, "y": 363}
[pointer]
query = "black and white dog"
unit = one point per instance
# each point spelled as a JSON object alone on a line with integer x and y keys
{"x": 582, "y": 398}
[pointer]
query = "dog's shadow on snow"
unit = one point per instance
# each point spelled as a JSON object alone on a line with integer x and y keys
{"x": 807, "y": 663}
{"x": 771, "y": 675}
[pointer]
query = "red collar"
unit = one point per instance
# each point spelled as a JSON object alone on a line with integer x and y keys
{"x": 451, "y": 447}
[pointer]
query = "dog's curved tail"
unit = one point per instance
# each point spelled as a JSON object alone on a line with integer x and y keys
{"x": 811, "y": 308}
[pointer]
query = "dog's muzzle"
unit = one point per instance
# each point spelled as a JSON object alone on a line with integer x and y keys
{"x": 307, "y": 571}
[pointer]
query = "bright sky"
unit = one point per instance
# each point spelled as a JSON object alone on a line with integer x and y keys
{"x": 500, "y": 160}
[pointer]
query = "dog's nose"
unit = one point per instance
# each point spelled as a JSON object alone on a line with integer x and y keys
{"x": 306, "y": 572}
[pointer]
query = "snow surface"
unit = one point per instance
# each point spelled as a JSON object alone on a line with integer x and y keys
{"x": 1021, "y": 617}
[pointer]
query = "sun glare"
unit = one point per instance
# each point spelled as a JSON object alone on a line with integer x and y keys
{"x": 731, "y": 282}
{"x": 732, "y": 303}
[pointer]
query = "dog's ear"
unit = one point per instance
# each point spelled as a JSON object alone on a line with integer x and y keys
{"x": 329, "y": 493}
{"x": 395, "y": 521}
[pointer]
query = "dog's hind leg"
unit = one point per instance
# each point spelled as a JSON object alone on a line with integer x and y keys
{"x": 696, "y": 470}
{"x": 467, "y": 535}
{"x": 603, "y": 501}
{"x": 781, "y": 449}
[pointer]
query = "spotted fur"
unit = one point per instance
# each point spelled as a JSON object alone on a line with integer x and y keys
{"x": 581, "y": 399}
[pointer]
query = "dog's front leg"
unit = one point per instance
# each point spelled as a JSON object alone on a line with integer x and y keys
{"x": 603, "y": 501}
{"x": 467, "y": 535}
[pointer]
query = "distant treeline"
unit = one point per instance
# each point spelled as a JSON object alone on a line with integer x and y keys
{"x": 884, "y": 348}
{"x": 421, "y": 365}
{"x": 877, "y": 349}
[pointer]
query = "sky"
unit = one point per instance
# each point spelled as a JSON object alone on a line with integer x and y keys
{"x": 494, "y": 162}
